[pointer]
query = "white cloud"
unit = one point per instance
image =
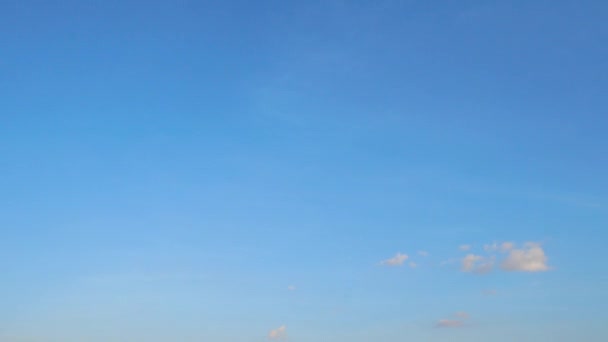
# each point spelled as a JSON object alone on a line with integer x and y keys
{"x": 279, "y": 333}
{"x": 477, "y": 264}
{"x": 397, "y": 260}
{"x": 423, "y": 253}
{"x": 413, "y": 264}
{"x": 465, "y": 248}
{"x": 530, "y": 258}
{"x": 291, "y": 287}
{"x": 469, "y": 261}
{"x": 449, "y": 323}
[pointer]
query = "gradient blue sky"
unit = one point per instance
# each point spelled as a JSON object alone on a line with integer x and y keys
{"x": 170, "y": 168}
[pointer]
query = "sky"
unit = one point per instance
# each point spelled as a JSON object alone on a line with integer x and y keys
{"x": 345, "y": 171}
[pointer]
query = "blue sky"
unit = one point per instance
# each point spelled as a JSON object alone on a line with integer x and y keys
{"x": 342, "y": 171}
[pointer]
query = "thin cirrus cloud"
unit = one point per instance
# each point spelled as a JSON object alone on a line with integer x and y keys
{"x": 447, "y": 262}
{"x": 465, "y": 248}
{"x": 449, "y": 323}
{"x": 530, "y": 258}
{"x": 291, "y": 288}
{"x": 507, "y": 246}
{"x": 423, "y": 253}
{"x": 502, "y": 247}
{"x": 458, "y": 320}
{"x": 462, "y": 315}
{"x": 397, "y": 260}
{"x": 279, "y": 333}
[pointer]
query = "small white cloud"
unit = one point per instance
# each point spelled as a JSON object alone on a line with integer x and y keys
{"x": 291, "y": 287}
{"x": 469, "y": 261}
{"x": 413, "y": 264}
{"x": 423, "y": 253}
{"x": 397, "y": 260}
{"x": 477, "y": 264}
{"x": 531, "y": 258}
{"x": 279, "y": 333}
{"x": 465, "y": 248}
{"x": 449, "y": 323}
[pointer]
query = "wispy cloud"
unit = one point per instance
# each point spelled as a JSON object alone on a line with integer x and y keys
{"x": 291, "y": 287}
{"x": 477, "y": 264}
{"x": 507, "y": 246}
{"x": 413, "y": 264}
{"x": 447, "y": 262}
{"x": 502, "y": 247}
{"x": 465, "y": 248}
{"x": 462, "y": 315}
{"x": 458, "y": 320}
{"x": 530, "y": 258}
{"x": 449, "y": 323}
{"x": 397, "y": 260}
{"x": 279, "y": 333}
{"x": 423, "y": 253}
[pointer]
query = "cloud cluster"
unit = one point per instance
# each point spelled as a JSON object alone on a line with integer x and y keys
{"x": 529, "y": 258}
{"x": 279, "y": 333}
{"x": 511, "y": 257}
